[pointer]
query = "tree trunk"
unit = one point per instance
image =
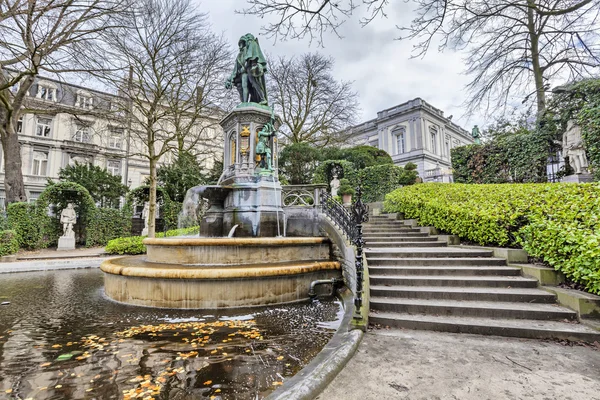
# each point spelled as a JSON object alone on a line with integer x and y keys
{"x": 13, "y": 175}
{"x": 538, "y": 75}
{"x": 152, "y": 205}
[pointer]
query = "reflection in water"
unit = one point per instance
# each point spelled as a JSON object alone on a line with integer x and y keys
{"x": 60, "y": 338}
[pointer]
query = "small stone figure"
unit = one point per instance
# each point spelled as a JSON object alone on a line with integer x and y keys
{"x": 476, "y": 135}
{"x": 68, "y": 218}
{"x": 248, "y": 74}
{"x": 335, "y": 185}
{"x": 145, "y": 216}
{"x": 262, "y": 147}
{"x": 573, "y": 148}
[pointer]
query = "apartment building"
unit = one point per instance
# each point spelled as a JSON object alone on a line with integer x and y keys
{"x": 70, "y": 123}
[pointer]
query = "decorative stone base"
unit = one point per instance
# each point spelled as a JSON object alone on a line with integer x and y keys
{"x": 132, "y": 280}
{"x": 66, "y": 243}
{"x": 578, "y": 178}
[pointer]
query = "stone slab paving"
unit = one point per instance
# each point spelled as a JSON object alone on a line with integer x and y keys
{"x": 415, "y": 365}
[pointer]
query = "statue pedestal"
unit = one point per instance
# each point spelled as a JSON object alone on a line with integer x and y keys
{"x": 254, "y": 202}
{"x": 578, "y": 178}
{"x": 66, "y": 243}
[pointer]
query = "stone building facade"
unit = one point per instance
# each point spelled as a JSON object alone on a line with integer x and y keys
{"x": 415, "y": 132}
{"x": 78, "y": 124}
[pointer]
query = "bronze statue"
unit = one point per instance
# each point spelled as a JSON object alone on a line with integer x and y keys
{"x": 248, "y": 74}
{"x": 476, "y": 135}
{"x": 262, "y": 147}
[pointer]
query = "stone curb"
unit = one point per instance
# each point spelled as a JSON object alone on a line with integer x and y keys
{"x": 314, "y": 378}
{"x": 48, "y": 265}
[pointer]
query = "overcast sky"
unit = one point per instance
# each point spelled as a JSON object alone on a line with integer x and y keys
{"x": 380, "y": 67}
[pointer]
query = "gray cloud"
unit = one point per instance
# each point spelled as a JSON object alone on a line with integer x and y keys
{"x": 380, "y": 67}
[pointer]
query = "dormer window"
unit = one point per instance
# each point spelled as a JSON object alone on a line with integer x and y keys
{"x": 84, "y": 100}
{"x": 46, "y": 91}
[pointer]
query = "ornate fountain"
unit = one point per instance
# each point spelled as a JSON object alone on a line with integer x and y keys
{"x": 257, "y": 266}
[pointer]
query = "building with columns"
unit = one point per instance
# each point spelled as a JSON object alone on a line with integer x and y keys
{"x": 77, "y": 124}
{"x": 415, "y": 132}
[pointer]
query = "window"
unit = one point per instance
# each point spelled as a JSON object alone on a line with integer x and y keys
{"x": 33, "y": 196}
{"x": 20, "y": 125}
{"x": 115, "y": 139}
{"x": 84, "y": 101}
{"x": 82, "y": 134}
{"x": 46, "y": 92}
{"x": 114, "y": 167}
{"x": 78, "y": 159}
{"x": 400, "y": 140}
{"x": 40, "y": 163}
{"x": 433, "y": 141}
{"x": 43, "y": 127}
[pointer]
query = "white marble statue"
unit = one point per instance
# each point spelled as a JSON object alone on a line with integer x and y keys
{"x": 68, "y": 218}
{"x": 145, "y": 216}
{"x": 335, "y": 185}
{"x": 573, "y": 148}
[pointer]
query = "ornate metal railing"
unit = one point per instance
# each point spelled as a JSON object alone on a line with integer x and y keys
{"x": 302, "y": 195}
{"x": 350, "y": 221}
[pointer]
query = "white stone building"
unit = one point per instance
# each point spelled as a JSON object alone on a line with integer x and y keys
{"x": 75, "y": 124}
{"x": 415, "y": 132}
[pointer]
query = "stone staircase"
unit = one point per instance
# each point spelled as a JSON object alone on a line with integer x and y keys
{"x": 419, "y": 282}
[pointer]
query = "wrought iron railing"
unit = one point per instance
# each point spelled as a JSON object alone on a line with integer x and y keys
{"x": 350, "y": 221}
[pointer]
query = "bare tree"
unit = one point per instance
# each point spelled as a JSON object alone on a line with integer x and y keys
{"x": 315, "y": 107}
{"x": 513, "y": 47}
{"x": 41, "y": 37}
{"x": 174, "y": 61}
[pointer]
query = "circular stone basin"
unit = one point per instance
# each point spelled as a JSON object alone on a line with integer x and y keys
{"x": 220, "y": 272}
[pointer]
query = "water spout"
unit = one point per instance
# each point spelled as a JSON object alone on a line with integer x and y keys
{"x": 232, "y": 231}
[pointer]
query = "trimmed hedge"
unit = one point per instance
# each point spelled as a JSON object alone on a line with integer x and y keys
{"x": 106, "y": 224}
{"x": 133, "y": 244}
{"x": 9, "y": 242}
{"x": 556, "y": 222}
{"x": 31, "y": 224}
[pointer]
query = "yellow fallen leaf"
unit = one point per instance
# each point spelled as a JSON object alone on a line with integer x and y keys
{"x": 57, "y": 386}
{"x": 218, "y": 391}
{"x": 207, "y": 382}
{"x": 46, "y": 364}
{"x": 8, "y": 390}
{"x": 277, "y": 383}
{"x": 280, "y": 358}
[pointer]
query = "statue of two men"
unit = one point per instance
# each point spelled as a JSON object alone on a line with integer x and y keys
{"x": 248, "y": 74}
{"x": 68, "y": 218}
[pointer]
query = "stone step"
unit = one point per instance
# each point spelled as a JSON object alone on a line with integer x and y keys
{"x": 395, "y": 235}
{"x": 382, "y": 229}
{"x": 389, "y": 240}
{"x": 386, "y": 225}
{"x": 445, "y": 271}
{"x": 430, "y": 261}
{"x": 464, "y": 293}
{"x": 532, "y": 329}
{"x": 452, "y": 252}
{"x": 462, "y": 308}
{"x": 453, "y": 281}
{"x": 406, "y": 244}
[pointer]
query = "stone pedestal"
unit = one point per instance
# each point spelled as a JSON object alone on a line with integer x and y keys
{"x": 66, "y": 243}
{"x": 577, "y": 178}
{"x": 254, "y": 202}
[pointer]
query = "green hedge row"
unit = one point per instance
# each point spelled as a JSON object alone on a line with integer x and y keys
{"x": 133, "y": 244}
{"x": 9, "y": 243}
{"x": 106, "y": 224}
{"x": 559, "y": 223}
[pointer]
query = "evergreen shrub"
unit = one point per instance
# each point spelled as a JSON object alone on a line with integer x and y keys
{"x": 556, "y": 222}
{"x": 106, "y": 224}
{"x": 133, "y": 244}
{"x": 9, "y": 242}
{"x": 31, "y": 224}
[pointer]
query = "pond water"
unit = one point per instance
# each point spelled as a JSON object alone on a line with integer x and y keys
{"x": 61, "y": 338}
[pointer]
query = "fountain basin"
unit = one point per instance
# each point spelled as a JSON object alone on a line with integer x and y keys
{"x": 235, "y": 251}
{"x": 212, "y": 273}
